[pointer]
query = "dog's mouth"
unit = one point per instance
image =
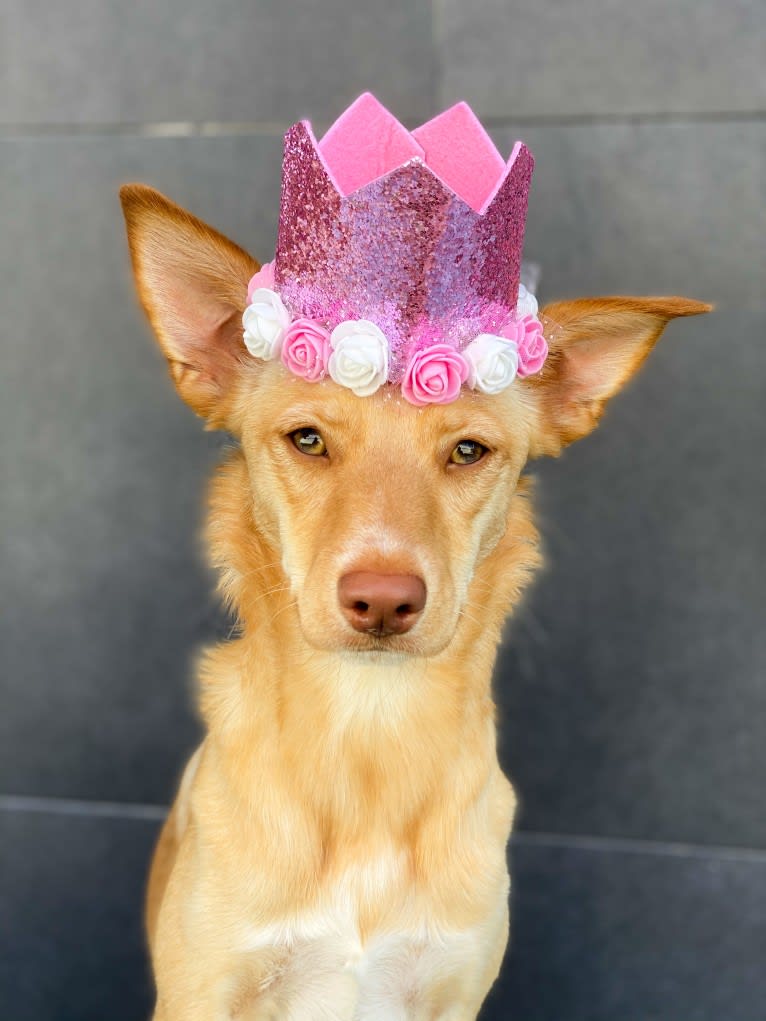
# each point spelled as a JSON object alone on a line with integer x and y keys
{"x": 382, "y": 642}
{"x": 375, "y": 641}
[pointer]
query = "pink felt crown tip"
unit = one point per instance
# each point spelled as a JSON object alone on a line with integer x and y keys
{"x": 462, "y": 154}
{"x": 367, "y": 142}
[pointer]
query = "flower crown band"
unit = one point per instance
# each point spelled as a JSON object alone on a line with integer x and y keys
{"x": 355, "y": 353}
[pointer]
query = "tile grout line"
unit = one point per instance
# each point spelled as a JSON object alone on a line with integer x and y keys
{"x": 82, "y": 807}
{"x": 520, "y": 838}
{"x": 213, "y": 129}
{"x": 144, "y": 129}
{"x": 637, "y": 117}
{"x": 635, "y": 845}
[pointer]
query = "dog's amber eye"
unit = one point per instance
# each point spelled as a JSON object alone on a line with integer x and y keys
{"x": 309, "y": 441}
{"x": 467, "y": 452}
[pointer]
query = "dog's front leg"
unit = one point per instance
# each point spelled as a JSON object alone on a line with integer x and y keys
{"x": 277, "y": 984}
{"x": 161, "y": 1013}
{"x": 269, "y": 1012}
{"x": 193, "y": 1009}
{"x": 470, "y": 1000}
{"x": 226, "y": 1005}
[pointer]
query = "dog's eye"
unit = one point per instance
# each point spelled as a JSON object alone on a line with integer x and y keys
{"x": 467, "y": 452}
{"x": 309, "y": 441}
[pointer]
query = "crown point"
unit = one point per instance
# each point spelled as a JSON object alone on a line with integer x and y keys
{"x": 461, "y": 153}
{"x": 365, "y": 143}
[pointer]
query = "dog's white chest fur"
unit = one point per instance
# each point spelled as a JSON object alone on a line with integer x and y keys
{"x": 324, "y": 972}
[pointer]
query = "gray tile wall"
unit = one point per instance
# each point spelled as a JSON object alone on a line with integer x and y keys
{"x": 596, "y": 57}
{"x": 631, "y": 686}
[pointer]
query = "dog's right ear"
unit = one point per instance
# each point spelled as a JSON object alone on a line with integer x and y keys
{"x": 599, "y": 345}
{"x": 192, "y": 282}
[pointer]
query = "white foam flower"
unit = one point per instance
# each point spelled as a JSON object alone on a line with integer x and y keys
{"x": 526, "y": 304}
{"x": 265, "y": 321}
{"x": 359, "y": 358}
{"x": 492, "y": 362}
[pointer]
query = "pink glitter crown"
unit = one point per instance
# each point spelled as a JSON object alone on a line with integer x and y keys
{"x": 420, "y": 233}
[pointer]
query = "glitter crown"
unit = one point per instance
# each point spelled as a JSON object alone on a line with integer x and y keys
{"x": 419, "y": 232}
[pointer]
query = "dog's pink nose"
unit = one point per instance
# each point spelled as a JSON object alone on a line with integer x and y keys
{"x": 381, "y": 604}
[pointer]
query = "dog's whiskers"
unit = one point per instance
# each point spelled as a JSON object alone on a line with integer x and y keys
{"x": 469, "y": 616}
{"x": 261, "y": 569}
{"x": 291, "y": 605}
{"x": 274, "y": 590}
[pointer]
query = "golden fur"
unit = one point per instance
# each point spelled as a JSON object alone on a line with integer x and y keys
{"x": 337, "y": 848}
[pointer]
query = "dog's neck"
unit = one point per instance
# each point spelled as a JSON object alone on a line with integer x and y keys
{"x": 353, "y": 736}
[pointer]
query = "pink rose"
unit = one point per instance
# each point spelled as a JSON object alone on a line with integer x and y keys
{"x": 306, "y": 349}
{"x": 435, "y": 375}
{"x": 531, "y": 344}
{"x": 263, "y": 278}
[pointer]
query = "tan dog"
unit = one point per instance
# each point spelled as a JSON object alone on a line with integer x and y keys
{"x": 337, "y": 848}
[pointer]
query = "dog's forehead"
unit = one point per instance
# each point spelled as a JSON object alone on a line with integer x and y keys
{"x": 384, "y": 417}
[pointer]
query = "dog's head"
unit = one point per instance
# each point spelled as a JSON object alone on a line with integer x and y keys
{"x": 380, "y": 514}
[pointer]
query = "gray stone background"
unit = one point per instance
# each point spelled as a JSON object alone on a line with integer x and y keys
{"x": 631, "y": 687}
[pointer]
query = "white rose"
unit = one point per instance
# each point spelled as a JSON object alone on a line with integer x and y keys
{"x": 492, "y": 361}
{"x": 526, "y": 304}
{"x": 359, "y": 358}
{"x": 265, "y": 321}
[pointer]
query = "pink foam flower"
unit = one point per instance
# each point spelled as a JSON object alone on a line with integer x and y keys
{"x": 435, "y": 375}
{"x": 263, "y": 278}
{"x": 530, "y": 342}
{"x": 306, "y": 349}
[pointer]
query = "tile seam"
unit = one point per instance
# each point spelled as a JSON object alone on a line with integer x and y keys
{"x": 521, "y": 838}
{"x": 214, "y": 129}
{"x": 82, "y": 807}
{"x": 633, "y": 845}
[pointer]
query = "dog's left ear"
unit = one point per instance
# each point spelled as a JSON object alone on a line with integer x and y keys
{"x": 192, "y": 282}
{"x": 596, "y": 346}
